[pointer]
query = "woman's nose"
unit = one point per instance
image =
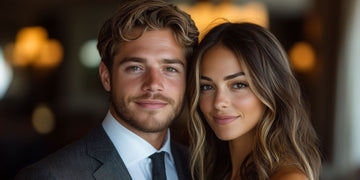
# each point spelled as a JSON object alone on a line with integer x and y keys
{"x": 221, "y": 100}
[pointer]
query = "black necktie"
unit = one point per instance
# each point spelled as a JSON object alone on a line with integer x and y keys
{"x": 158, "y": 166}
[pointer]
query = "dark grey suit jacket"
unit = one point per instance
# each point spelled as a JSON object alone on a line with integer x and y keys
{"x": 93, "y": 157}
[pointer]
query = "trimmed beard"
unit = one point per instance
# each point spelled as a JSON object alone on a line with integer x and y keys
{"x": 125, "y": 114}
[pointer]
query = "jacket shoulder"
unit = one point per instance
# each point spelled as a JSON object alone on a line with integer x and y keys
{"x": 71, "y": 161}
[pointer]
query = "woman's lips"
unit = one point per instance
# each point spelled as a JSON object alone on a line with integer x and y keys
{"x": 222, "y": 120}
{"x": 151, "y": 104}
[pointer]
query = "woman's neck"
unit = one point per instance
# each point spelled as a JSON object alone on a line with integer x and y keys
{"x": 239, "y": 149}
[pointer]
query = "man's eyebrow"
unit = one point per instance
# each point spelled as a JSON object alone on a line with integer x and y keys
{"x": 174, "y": 61}
{"x": 132, "y": 59}
{"x": 232, "y": 76}
{"x": 142, "y": 60}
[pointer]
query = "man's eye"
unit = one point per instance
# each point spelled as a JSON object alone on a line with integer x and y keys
{"x": 133, "y": 68}
{"x": 206, "y": 87}
{"x": 170, "y": 69}
{"x": 239, "y": 85}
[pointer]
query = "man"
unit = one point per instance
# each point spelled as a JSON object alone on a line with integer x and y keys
{"x": 144, "y": 48}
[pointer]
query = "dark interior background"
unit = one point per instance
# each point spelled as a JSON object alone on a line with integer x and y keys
{"x": 78, "y": 101}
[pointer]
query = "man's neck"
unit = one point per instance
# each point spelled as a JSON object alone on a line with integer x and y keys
{"x": 156, "y": 139}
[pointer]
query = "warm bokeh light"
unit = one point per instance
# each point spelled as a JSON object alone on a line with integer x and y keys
{"x": 32, "y": 47}
{"x": 5, "y": 75}
{"x": 50, "y": 55}
{"x": 28, "y": 44}
{"x": 205, "y": 14}
{"x": 302, "y": 57}
{"x": 89, "y": 55}
{"x": 43, "y": 119}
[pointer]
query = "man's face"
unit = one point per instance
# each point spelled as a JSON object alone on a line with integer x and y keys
{"x": 147, "y": 82}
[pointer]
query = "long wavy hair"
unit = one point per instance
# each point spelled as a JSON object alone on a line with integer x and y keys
{"x": 284, "y": 136}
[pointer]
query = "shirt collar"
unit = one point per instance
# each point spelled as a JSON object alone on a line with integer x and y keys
{"x": 131, "y": 147}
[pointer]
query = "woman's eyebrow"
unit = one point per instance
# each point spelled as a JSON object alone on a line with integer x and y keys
{"x": 234, "y": 75}
{"x": 206, "y": 78}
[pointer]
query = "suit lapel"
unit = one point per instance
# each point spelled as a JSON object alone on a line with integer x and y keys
{"x": 181, "y": 158}
{"x": 100, "y": 147}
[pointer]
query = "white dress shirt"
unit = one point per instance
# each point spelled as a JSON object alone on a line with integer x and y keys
{"x": 135, "y": 151}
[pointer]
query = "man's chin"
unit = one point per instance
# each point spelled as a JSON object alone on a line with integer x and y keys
{"x": 150, "y": 121}
{"x": 150, "y": 127}
{"x": 143, "y": 119}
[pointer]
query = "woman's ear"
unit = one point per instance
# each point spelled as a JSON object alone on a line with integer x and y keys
{"x": 105, "y": 76}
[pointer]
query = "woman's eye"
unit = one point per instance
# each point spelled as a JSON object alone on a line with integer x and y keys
{"x": 206, "y": 87}
{"x": 239, "y": 85}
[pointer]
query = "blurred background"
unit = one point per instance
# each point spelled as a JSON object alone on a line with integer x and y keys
{"x": 51, "y": 95}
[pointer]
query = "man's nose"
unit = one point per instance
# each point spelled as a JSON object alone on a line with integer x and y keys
{"x": 153, "y": 80}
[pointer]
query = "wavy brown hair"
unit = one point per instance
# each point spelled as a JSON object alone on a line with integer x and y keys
{"x": 147, "y": 15}
{"x": 284, "y": 136}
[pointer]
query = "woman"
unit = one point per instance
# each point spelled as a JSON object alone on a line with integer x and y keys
{"x": 247, "y": 116}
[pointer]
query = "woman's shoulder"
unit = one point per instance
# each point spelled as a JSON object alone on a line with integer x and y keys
{"x": 289, "y": 173}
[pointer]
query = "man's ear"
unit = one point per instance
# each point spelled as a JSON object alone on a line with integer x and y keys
{"x": 105, "y": 76}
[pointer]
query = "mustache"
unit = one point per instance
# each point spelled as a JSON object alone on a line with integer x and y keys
{"x": 154, "y": 97}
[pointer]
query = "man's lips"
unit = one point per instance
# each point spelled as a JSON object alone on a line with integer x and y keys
{"x": 151, "y": 104}
{"x": 222, "y": 120}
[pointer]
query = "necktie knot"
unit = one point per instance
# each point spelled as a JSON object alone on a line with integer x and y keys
{"x": 158, "y": 166}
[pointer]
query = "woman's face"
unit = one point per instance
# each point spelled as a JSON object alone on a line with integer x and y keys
{"x": 230, "y": 107}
